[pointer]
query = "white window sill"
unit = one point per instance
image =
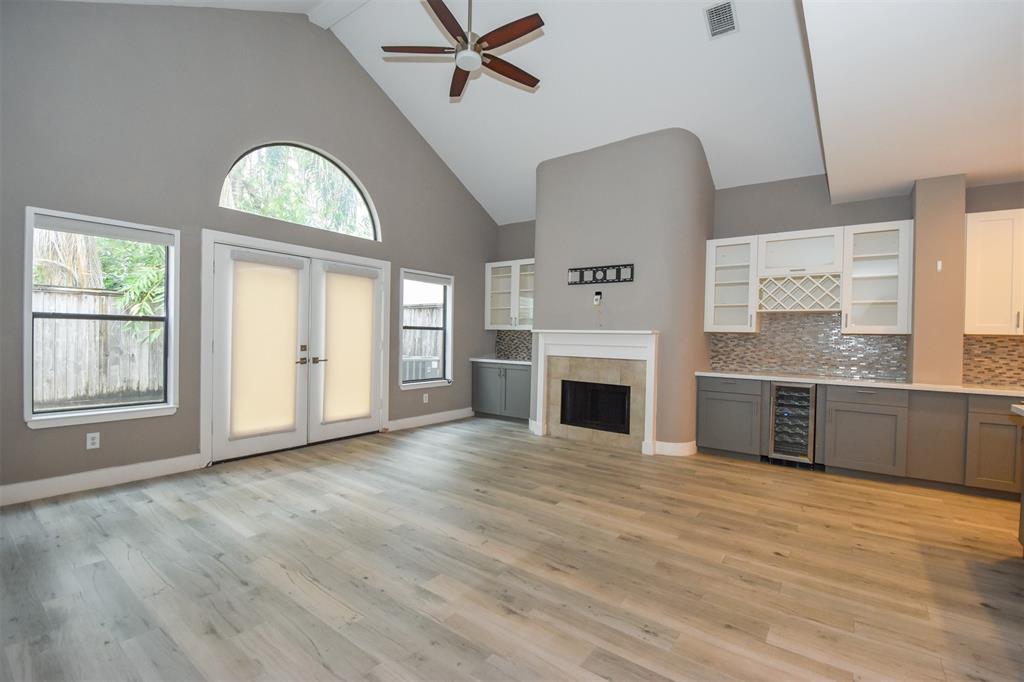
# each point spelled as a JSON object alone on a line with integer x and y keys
{"x": 46, "y": 421}
{"x": 415, "y": 385}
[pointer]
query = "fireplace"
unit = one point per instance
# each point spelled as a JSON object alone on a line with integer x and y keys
{"x": 604, "y": 407}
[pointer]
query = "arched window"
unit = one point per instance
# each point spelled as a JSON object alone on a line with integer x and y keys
{"x": 298, "y": 185}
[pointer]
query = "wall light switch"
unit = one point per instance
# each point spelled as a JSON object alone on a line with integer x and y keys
{"x": 92, "y": 440}
{"x": 597, "y": 298}
{"x": 426, "y": 397}
{"x": 938, "y": 266}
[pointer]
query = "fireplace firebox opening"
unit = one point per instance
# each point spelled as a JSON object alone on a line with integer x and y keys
{"x": 604, "y": 407}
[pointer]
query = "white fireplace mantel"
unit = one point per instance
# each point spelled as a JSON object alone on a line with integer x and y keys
{"x": 613, "y": 344}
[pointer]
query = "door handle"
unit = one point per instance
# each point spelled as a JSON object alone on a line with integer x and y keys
{"x": 301, "y": 361}
{"x": 317, "y": 360}
{"x": 1017, "y": 326}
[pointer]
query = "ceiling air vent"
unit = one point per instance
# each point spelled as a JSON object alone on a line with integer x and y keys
{"x": 721, "y": 19}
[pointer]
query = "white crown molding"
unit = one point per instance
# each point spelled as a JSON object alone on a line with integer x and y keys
{"x": 26, "y": 491}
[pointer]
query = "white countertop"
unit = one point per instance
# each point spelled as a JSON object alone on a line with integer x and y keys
{"x": 1018, "y": 409}
{"x": 502, "y": 361}
{"x": 1009, "y": 391}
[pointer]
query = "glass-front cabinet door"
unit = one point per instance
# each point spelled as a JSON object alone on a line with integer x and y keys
{"x": 509, "y": 294}
{"x": 524, "y": 315}
{"x": 730, "y": 292}
{"x": 876, "y": 278}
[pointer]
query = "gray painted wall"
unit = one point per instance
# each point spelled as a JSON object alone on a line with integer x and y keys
{"x": 938, "y": 339}
{"x": 995, "y": 197}
{"x": 647, "y": 200}
{"x": 136, "y": 113}
{"x": 515, "y": 240}
{"x": 796, "y": 204}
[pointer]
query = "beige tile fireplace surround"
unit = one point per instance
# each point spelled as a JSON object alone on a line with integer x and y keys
{"x": 630, "y": 373}
{"x": 619, "y": 357}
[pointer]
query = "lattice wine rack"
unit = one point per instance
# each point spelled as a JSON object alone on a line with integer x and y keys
{"x": 799, "y": 293}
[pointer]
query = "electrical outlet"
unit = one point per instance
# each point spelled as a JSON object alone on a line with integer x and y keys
{"x": 426, "y": 397}
{"x": 92, "y": 440}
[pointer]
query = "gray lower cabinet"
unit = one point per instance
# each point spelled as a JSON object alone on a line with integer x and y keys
{"x": 729, "y": 421}
{"x": 937, "y": 436}
{"x": 502, "y": 390}
{"x": 867, "y": 437}
{"x": 993, "y": 451}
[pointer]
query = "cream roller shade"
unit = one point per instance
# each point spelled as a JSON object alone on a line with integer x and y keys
{"x": 264, "y": 347}
{"x": 348, "y": 342}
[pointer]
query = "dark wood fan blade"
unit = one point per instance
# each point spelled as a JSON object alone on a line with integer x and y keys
{"x": 418, "y": 49}
{"x": 448, "y": 20}
{"x": 459, "y": 79}
{"x": 500, "y": 66}
{"x": 509, "y": 32}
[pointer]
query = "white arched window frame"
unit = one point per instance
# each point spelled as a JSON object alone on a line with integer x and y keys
{"x": 273, "y": 181}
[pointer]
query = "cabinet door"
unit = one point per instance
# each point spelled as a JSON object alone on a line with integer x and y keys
{"x": 802, "y": 252}
{"x": 867, "y": 438}
{"x": 517, "y": 391}
{"x": 993, "y": 452}
{"x": 730, "y": 288}
{"x": 729, "y": 422}
{"x": 498, "y": 296}
{"x": 995, "y": 273}
{"x": 937, "y": 436}
{"x": 524, "y": 286}
{"x": 488, "y": 389}
{"x": 877, "y": 273}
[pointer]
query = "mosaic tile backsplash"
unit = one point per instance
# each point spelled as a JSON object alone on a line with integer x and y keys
{"x": 994, "y": 360}
{"x": 811, "y": 343}
{"x": 513, "y": 344}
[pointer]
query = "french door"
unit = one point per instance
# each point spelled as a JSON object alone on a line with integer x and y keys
{"x": 296, "y": 351}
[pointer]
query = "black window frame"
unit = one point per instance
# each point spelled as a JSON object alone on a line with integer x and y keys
{"x": 164, "y": 319}
{"x": 444, "y": 337}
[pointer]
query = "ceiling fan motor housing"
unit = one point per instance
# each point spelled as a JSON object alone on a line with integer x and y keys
{"x": 468, "y": 59}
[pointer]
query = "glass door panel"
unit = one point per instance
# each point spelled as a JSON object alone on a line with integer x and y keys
{"x": 344, "y": 363}
{"x": 501, "y": 296}
{"x": 261, "y": 312}
{"x": 524, "y": 319}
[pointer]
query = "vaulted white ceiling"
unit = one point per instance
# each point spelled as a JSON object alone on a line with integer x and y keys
{"x": 608, "y": 70}
{"x": 905, "y": 89}
{"x": 910, "y": 90}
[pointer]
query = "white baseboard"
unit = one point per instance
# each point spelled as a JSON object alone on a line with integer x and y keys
{"x": 428, "y": 419}
{"x": 13, "y": 493}
{"x": 675, "y": 449}
{"x": 535, "y": 427}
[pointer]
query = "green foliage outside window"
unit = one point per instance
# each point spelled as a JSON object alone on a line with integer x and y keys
{"x": 297, "y": 185}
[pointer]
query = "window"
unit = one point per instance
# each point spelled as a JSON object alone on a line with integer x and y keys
{"x": 426, "y": 329}
{"x": 298, "y": 185}
{"x": 100, "y": 338}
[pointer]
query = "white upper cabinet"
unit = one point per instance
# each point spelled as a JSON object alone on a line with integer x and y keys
{"x": 995, "y": 273}
{"x": 508, "y": 296}
{"x": 877, "y": 274}
{"x": 802, "y": 252}
{"x": 730, "y": 291}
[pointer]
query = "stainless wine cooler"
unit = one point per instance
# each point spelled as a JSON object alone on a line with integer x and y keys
{"x": 792, "y": 422}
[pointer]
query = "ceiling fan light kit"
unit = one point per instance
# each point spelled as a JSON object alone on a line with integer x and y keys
{"x": 470, "y": 52}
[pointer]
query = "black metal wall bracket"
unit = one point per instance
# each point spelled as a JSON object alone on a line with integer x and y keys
{"x": 602, "y": 274}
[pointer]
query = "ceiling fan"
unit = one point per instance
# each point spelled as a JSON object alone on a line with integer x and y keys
{"x": 470, "y": 52}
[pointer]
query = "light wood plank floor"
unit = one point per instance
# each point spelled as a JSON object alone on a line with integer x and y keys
{"x": 475, "y": 550}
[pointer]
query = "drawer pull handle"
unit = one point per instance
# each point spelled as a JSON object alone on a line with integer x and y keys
{"x": 866, "y": 392}
{"x": 726, "y": 381}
